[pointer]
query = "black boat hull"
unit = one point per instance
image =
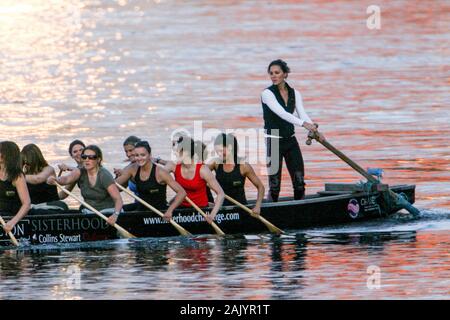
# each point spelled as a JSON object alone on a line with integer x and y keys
{"x": 73, "y": 227}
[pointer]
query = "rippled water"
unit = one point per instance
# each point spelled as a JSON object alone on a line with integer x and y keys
{"x": 332, "y": 263}
{"x": 103, "y": 70}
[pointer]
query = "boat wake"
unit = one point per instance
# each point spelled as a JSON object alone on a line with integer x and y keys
{"x": 429, "y": 219}
{"x": 399, "y": 223}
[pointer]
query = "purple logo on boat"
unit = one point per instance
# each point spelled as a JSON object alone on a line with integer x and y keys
{"x": 353, "y": 208}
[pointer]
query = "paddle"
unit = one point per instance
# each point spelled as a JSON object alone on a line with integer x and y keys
{"x": 11, "y": 236}
{"x": 399, "y": 200}
{"x": 180, "y": 229}
{"x": 272, "y": 228}
{"x": 215, "y": 227}
{"x": 121, "y": 230}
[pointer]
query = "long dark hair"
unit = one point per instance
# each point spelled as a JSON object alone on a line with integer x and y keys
{"x": 228, "y": 140}
{"x": 74, "y": 143}
{"x": 33, "y": 159}
{"x": 98, "y": 152}
{"x": 10, "y": 154}
{"x": 187, "y": 144}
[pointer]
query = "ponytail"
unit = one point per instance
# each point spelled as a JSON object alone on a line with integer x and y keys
{"x": 201, "y": 150}
{"x": 194, "y": 148}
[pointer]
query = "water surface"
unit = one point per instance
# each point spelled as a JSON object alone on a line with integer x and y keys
{"x": 103, "y": 70}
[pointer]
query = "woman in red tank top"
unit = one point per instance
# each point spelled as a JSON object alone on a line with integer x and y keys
{"x": 194, "y": 176}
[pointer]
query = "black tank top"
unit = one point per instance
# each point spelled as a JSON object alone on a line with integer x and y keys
{"x": 9, "y": 198}
{"x": 42, "y": 193}
{"x": 232, "y": 184}
{"x": 151, "y": 191}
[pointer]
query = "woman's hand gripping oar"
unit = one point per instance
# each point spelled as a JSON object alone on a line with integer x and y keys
{"x": 121, "y": 230}
{"x": 215, "y": 227}
{"x": 180, "y": 229}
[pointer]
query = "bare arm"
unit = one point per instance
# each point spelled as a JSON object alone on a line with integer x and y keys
{"x": 212, "y": 163}
{"x": 127, "y": 173}
{"x": 165, "y": 177}
{"x": 115, "y": 195}
{"x": 71, "y": 178}
{"x": 65, "y": 167}
{"x": 207, "y": 175}
{"x": 118, "y": 203}
{"x": 24, "y": 196}
{"x": 160, "y": 161}
{"x": 170, "y": 166}
{"x": 251, "y": 175}
{"x": 40, "y": 177}
{"x": 119, "y": 172}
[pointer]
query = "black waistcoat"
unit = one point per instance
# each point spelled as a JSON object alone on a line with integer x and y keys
{"x": 273, "y": 121}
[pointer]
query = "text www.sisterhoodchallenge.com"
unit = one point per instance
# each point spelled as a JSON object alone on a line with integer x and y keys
{"x": 194, "y": 217}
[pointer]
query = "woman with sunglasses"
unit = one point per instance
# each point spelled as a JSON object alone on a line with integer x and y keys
{"x": 37, "y": 171}
{"x": 75, "y": 149}
{"x": 14, "y": 197}
{"x": 231, "y": 171}
{"x": 194, "y": 176}
{"x": 151, "y": 181}
{"x": 96, "y": 184}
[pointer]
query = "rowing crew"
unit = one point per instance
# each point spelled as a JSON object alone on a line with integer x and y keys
{"x": 31, "y": 182}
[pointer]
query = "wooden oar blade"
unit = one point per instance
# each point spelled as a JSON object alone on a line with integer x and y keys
{"x": 11, "y": 236}
{"x": 124, "y": 232}
{"x": 215, "y": 227}
{"x": 13, "y": 239}
{"x": 272, "y": 228}
{"x": 180, "y": 229}
{"x": 218, "y": 230}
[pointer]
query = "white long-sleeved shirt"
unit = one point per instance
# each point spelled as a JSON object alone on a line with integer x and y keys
{"x": 268, "y": 97}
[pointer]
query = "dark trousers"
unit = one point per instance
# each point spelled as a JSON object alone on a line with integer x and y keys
{"x": 289, "y": 150}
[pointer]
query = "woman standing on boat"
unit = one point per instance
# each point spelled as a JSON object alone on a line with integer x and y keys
{"x": 96, "y": 184}
{"x": 194, "y": 176}
{"x": 279, "y": 101}
{"x": 231, "y": 172}
{"x": 151, "y": 181}
{"x": 75, "y": 149}
{"x": 37, "y": 171}
{"x": 14, "y": 197}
